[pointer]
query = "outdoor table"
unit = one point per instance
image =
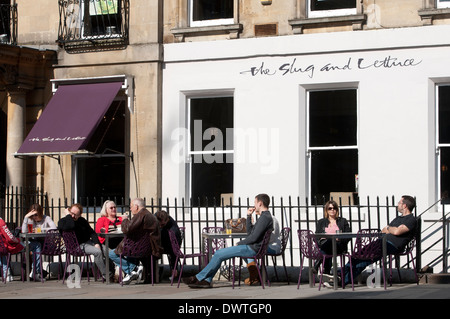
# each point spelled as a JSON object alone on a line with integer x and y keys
{"x": 334, "y": 238}
{"x": 210, "y": 236}
{"x": 26, "y": 238}
{"x": 107, "y": 236}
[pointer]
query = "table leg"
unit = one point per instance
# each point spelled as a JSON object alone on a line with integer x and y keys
{"x": 384, "y": 260}
{"x": 107, "y": 259}
{"x": 310, "y": 273}
{"x": 27, "y": 258}
{"x": 335, "y": 263}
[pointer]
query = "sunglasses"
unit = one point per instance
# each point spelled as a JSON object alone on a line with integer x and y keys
{"x": 332, "y": 208}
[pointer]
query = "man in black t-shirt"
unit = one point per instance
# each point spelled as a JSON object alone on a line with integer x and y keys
{"x": 400, "y": 231}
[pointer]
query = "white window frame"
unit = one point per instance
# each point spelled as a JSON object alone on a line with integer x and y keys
{"x": 442, "y": 4}
{"x": 205, "y": 23}
{"x": 329, "y": 13}
{"x": 310, "y": 149}
{"x": 190, "y": 153}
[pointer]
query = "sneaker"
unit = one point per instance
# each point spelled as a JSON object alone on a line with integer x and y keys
{"x": 36, "y": 277}
{"x": 9, "y": 278}
{"x": 138, "y": 273}
{"x": 127, "y": 279}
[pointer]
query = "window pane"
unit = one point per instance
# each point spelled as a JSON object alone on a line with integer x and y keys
{"x": 318, "y": 5}
{"x": 444, "y": 114}
{"x": 210, "y": 10}
{"x": 210, "y": 119}
{"x": 110, "y": 133}
{"x": 332, "y": 118}
{"x": 100, "y": 178}
{"x": 210, "y": 181}
{"x": 445, "y": 172}
{"x": 333, "y": 171}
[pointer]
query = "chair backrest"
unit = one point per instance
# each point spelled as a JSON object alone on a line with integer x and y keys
{"x": 175, "y": 246}
{"x": 367, "y": 244}
{"x": 216, "y": 243}
{"x": 53, "y": 243}
{"x": 264, "y": 244}
{"x": 137, "y": 248}
{"x": 308, "y": 244}
{"x": 284, "y": 237}
{"x": 71, "y": 243}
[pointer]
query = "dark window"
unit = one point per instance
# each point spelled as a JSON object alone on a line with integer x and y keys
{"x": 332, "y": 118}
{"x": 320, "y": 5}
{"x": 102, "y": 17}
{"x": 333, "y": 171}
{"x": 211, "y": 172}
{"x": 444, "y": 140}
{"x": 211, "y": 10}
{"x": 333, "y": 142}
{"x": 103, "y": 175}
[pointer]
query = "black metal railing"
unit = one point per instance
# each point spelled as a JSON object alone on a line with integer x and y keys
{"x": 8, "y": 24}
{"x": 93, "y": 25}
{"x": 295, "y": 213}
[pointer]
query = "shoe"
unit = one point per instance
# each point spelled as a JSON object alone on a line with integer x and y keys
{"x": 128, "y": 278}
{"x": 190, "y": 280}
{"x": 138, "y": 273}
{"x": 328, "y": 284}
{"x": 36, "y": 277}
{"x": 9, "y": 277}
{"x": 201, "y": 284}
{"x": 251, "y": 282}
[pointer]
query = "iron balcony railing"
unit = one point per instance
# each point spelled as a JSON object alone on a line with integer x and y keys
{"x": 93, "y": 25}
{"x": 8, "y": 24}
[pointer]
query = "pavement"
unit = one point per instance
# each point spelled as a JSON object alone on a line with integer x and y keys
{"x": 222, "y": 290}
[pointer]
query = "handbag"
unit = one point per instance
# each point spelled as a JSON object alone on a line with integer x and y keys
{"x": 237, "y": 225}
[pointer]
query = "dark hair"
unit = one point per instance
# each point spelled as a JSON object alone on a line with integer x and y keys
{"x": 38, "y": 209}
{"x": 162, "y": 216}
{"x": 77, "y": 205}
{"x": 409, "y": 201}
{"x": 264, "y": 198}
{"x": 335, "y": 205}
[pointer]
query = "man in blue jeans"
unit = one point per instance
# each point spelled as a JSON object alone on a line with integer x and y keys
{"x": 245, "y": 248}
{"x": 399, "y": 233}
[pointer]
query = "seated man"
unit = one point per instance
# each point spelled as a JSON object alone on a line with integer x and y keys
{"x": 142, "y": 223}
{"x": 400, "y": 231}
{"x": 86, "y": 236}
{"x": 245, "y": 248}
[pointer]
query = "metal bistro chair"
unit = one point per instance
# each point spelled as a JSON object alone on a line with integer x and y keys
{"x": 74, "y": 250}
{"x": 309, "y": 248}
{"x": 407, "y": 252}
{"x": 368, "y": 246}
{"x": 259, "y": 259}
{"x": 216, "y": 243}
{"x": 284, "y": 239}
{"x": 4, "y": 252}
{"x": 180, "y": 255}
{"x": 138, "y": 249}
{"x": 53, "y": 246}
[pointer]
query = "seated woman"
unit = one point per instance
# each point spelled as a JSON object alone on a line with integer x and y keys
{"x": 108, "y": 222}
{"x": 330, "y": 224}
{"x": 166, "y": 223}
{"x": 12, "y": 245}
{"x": 36, "y": 217}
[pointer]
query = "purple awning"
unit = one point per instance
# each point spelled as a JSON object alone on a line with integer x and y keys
{"x": 70, "y": 118}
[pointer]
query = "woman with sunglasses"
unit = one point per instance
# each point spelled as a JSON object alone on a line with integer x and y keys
{"x": 330, "y": 224}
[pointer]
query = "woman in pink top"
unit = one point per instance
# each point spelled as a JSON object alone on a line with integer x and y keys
{"x": 109, "y": 221}
{"x": 331, "y": 223}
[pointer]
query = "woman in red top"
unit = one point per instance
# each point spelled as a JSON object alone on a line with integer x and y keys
{"x": 12, "y": 245}
{"x": 108, "y": 222}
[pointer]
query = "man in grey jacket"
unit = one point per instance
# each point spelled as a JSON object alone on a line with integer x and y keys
{"x": 245, "y": 248}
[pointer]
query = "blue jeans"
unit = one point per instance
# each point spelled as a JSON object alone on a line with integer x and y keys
{"x": 220, "y": 255}
{"x": 128, "y": 263}
{"x": 358, "y": 265}
{"x": 35, "y": 247}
